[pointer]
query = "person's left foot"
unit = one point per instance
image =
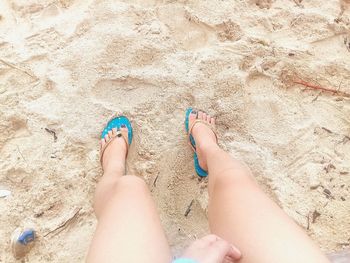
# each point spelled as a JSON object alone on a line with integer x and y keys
{"x": 203, "y": 135}
{"x": 115, "y": 154}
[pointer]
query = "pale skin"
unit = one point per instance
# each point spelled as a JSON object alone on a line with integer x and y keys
{"x": 240, "y": 213}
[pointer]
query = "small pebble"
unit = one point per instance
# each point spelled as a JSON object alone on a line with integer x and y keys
{"x": 314, "y": 183}
{"x": 4, "y": 193}
{"x": 22, "y": 242}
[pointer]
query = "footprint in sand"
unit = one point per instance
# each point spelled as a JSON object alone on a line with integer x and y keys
{"x": 186, "y": 28}
{"x": 107, "y": 90}
{"x": 12, "y": 127}
{"x": 193, "y": 33}
{"x": 19, "y": 177}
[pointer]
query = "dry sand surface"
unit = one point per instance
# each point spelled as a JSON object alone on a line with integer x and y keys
{"x": 68, "y": 65}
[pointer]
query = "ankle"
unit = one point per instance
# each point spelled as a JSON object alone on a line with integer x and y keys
{"x": 207, "y": 146}
{"x": 114, "y": 168}
{"x": 207, "y": 149}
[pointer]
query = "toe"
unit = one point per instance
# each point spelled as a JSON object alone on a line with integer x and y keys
{"x": 208, "y": 118}
{"x": 193, "y": 115}
{"x": 204, "y": 116}
{"x": 114, "y": 131}
{"x": 106, "y": 138}
{"x": 200, "y": 115}
{"x": 110, "y": 134}
{"x": 212, "y": 121}
{"x": 124, "y": 131}
{"x": 103, "y": 142}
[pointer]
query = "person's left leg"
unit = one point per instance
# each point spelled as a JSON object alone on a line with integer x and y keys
{"x": 129, "y": 229}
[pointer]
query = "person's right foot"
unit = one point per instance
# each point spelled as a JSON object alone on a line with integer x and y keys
{"x": 115, "y": 154}
{"x": 203, "y": 135}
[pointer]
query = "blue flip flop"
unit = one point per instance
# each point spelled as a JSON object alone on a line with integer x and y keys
{"x": 117, "y": 123}
{"x": 199, "y": 170}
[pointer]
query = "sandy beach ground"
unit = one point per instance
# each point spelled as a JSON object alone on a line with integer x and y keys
{"x": 66, "y": 66}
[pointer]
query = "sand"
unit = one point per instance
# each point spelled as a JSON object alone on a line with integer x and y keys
{"x": 68, "y": 65}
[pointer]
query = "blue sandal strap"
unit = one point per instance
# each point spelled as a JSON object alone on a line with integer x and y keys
{"x": 184, "y": 260}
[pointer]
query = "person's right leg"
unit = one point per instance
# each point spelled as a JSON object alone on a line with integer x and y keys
{"x": 129, "y": 229}
{"x": 241, "y": 213}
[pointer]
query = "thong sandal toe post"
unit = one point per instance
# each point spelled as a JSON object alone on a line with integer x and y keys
{"x": 116, "y": 123}
{"x": 199, "y": 170}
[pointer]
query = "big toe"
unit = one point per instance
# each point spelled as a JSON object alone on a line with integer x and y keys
{"x": 193, "y": 115}
{"x": 125, "y": 132}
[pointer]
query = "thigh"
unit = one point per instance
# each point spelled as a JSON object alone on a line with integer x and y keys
{"x": 129, "y": 229}
{"x": 242, "y": 214}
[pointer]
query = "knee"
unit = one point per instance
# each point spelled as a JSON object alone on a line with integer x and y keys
{"x": 125, "y": 182}
{"x": 113, "y": 186}
{"x": 130, "y": 183}
{"x": 238, "y": 174}
{"x": 111, "y": 189}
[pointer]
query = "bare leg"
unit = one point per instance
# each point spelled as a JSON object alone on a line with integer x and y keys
{"x": 129, "y": 228}
{"x": 241, "y": 213}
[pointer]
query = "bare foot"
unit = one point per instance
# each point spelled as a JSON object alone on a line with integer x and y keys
{"x": 203, "y": 135}
{"x": 114, "y": 156}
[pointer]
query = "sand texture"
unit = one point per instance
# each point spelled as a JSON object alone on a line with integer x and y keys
{"x": 66, "y": 66}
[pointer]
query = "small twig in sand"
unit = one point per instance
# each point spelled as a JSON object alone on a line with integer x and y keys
{"x": 155, "y": 181}
{"x": 316, "y": 87}
{"x": 316, "y": 97}
{"x": 327, "y": 130}
{"x": 188, "y": 210}
{"x": 346, "y": 139}
{"x": 19, "y": 151}
{"x": 53, "y": 133}
{"x": 20, "y": 69}
{"x": 328, "y": 194}
{"x": 64, "y": 224}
